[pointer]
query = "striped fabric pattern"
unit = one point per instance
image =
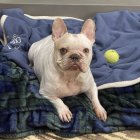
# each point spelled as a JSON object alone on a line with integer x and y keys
{"x": 124, "y": 135}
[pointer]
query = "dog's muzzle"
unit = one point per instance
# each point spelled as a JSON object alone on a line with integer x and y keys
{"x": 75, "y": 62}
{"x": 75, "y": 57}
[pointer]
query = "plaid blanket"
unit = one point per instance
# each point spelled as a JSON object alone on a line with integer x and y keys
{"x": 23, "y": 111}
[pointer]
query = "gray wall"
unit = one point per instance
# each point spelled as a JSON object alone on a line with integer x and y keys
{"x": 76, "y": 8}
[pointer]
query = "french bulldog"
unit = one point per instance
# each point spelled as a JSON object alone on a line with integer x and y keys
{"x": 61, "y": 62}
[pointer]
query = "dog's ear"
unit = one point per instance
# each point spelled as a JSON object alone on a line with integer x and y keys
{"x": 58, "y": 28}
{"x": 89, "y": 30}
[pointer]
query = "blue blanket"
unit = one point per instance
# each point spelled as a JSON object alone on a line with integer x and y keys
{"x": 114, "y": 30}
{"x": 117, "y": 30}
{"x": 24, "y": 113}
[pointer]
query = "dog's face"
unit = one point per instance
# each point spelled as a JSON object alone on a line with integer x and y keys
{"x": 73, "y": 52}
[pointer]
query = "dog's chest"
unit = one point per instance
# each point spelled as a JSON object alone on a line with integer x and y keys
{"x": 68, "y": 88}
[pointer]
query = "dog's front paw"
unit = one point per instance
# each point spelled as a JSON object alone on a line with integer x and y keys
{"x": 64, "y": 114}
{"x": 100, "y": 112}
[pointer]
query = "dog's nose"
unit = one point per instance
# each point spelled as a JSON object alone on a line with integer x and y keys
{"x": 75, "y": 57}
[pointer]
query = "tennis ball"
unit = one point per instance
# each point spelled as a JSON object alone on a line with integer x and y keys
{"x": 111, "y": 56}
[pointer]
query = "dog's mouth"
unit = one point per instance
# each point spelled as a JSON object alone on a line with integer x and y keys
{"x": 75, "y": 67}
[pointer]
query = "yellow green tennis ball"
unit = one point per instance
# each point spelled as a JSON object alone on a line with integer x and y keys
{"x": 111, "y": 56}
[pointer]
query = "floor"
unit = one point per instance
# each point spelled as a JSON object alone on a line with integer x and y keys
{"x": 124, "y": 135}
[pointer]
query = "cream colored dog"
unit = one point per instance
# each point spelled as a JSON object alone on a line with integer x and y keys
{"x": 61, "y": 62}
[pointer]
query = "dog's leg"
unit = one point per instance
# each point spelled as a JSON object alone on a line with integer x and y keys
{"x": 93, "y": 96}
{"x": 63, "y": 110}
{"x": 64, "y": 113}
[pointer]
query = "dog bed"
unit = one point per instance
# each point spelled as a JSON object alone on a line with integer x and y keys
{"x": 22, "y": 110}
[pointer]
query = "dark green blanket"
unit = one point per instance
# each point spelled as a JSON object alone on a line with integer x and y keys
{"x": 23, "y": 111}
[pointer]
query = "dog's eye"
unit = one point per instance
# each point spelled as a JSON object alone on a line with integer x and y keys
{"x": 86, "y": 50}
{"x": 63, "y": 51}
